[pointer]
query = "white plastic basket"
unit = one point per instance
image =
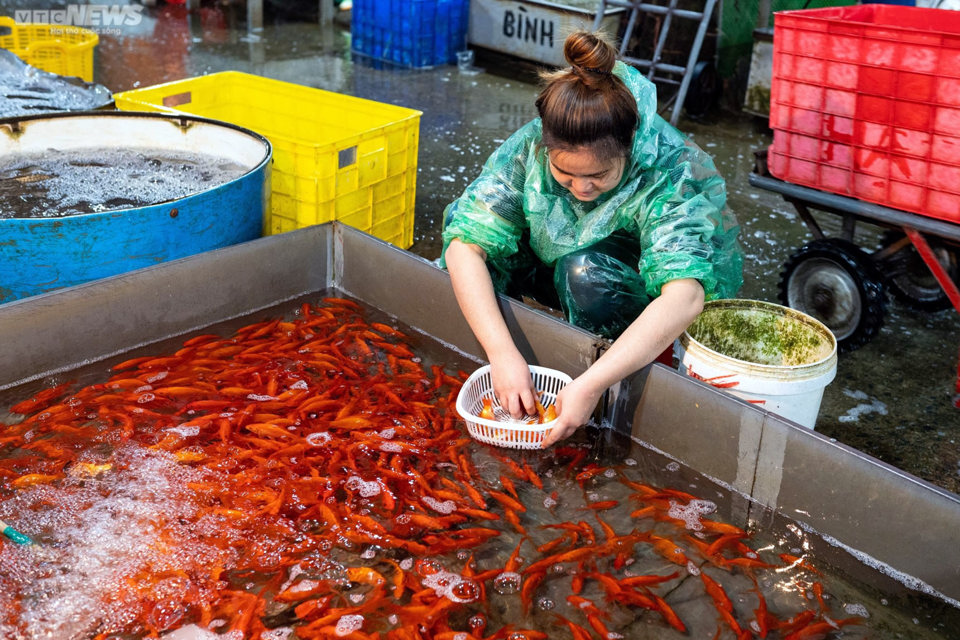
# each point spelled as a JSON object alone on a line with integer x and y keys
{"x": 514, "y": 435}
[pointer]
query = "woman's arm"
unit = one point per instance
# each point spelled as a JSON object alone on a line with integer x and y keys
{"x": 473, "y": 288}
{"x": 664, "y": 319}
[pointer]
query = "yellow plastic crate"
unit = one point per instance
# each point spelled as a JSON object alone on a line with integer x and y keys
{"x": 335, "y": 157}
{"x": 64, "y": 50}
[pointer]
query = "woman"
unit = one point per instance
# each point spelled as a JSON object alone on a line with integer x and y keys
{"x": 601, "y": 208}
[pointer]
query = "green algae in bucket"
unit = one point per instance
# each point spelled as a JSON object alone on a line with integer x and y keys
{"x": 774, "y": 357}
{"x": 758, "y": 332}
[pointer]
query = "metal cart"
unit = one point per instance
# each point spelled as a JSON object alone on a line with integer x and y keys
{"x": 845, "y": 286}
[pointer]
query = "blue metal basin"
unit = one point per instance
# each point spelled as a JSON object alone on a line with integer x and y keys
{"x": 46, "y": 253}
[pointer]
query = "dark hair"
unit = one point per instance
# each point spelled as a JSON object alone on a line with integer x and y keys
{"x": 586, "y": 105}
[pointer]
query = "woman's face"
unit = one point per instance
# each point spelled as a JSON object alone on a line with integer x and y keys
{"x": 584, "y": 174}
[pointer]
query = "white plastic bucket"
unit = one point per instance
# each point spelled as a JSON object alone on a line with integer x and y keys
{"x": 773, "y": 356}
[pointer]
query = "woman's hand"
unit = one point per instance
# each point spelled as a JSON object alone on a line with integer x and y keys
{"x": 575, "y": 404}
{"x": 512, "y": 383}
{"x": 664, "y": 319}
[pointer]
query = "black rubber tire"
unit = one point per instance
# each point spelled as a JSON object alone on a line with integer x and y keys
{"x": 836, "y": 283}
{"x": 909, "y": 278}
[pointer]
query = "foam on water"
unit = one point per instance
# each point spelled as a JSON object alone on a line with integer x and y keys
{"x": 507, "y": 582}
{"x": 191, "y": 632}
{"x": 64, "y": 183}
{"x": 691, "y": 512}
{"x": 367, "y": 489}
{"x": 185, "y": 430}
{"x": 318, "y": 438}
{"x": 856, "y": 609}
{"x": 446, "y": 507}
{"x": 906, "y": 580}
{"x": 348, "y": 624}
{"x": 873, "y": 406}
{"x": 452, "y": 586}
{"x": 99, "y": 532}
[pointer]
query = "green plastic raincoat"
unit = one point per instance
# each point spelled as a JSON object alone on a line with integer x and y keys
{"x": 670, "y": 199}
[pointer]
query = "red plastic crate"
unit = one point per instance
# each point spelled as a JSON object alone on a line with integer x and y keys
{"x": 865, "y": 102}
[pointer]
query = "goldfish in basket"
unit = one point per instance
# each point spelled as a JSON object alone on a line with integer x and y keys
{"x": 544, "y": 414}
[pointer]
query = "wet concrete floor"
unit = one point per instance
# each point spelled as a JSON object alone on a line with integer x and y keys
{"x": 891, "y": 399}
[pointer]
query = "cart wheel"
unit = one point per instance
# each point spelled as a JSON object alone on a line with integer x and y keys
{"x": 910, "y": 279}
{"x": 836, "y": 283}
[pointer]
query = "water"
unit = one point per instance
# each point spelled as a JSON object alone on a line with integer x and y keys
{"x": 64, "y": 183}
{"x": 26, "y": 90}
{"x": 139, "y": 532}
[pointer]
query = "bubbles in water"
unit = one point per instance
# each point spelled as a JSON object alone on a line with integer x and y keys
{"x": 348, "y": 624}
{"x": 477, "y": 623}
{"x": 64, "y": 183}
{"x": 101, "y": 532}
{"x": 369, "y": 553}
{"x": 300, "y": 385}
{"x": 549, "y": 502}
{"x": 692, "y": 569}
{"x": 630, "y": 462}
{"x": 673, "y": 466}
{"x": 145, "y": 398}
{"x": 406, "y": 564}
{"x": 193, "y": 632}
{"x": 318, "y": 439}
{"x": 185, "y": 430}
{"x": 280, "y": 633}
{"x": 391, "y": 447}
{"x": 388, "y": 433}
{"x": 258, "y": 397}
{"x": 856, "y": 609}
{"x": 463, "y": 591}
{"x": 304, "y": 585}
{"x": 446, "y": 507}
{"x": 691, "y": 512}
{"x": 428, "y": 566}
{"x": 452, "y": 586}
{"x": 507, "y": 583}
{"x": 367, "y": 489}
{"x": 546, "y": 604}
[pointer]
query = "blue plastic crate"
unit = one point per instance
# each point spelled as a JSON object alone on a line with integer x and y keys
{"x": 410, "y": 33}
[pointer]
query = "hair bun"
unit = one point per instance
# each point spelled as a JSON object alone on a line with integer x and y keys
{"x": 587, "y": 51}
